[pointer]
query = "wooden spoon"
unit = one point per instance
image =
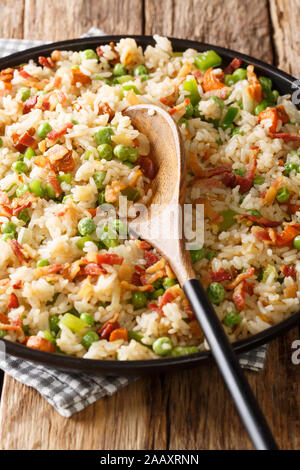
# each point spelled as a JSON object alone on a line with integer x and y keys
{"x": 167, "y": 152}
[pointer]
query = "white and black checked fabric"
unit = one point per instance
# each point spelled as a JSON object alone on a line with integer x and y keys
{"x": 70, "y": 393}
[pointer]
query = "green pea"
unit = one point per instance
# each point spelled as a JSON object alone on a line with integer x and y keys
{"x": 157, "y": 293}
{"x": 207, "y": 60}
{"x": 8, "y": 227}
{"x": 228, "y": 220}
{"x": 240, "y": 171}
{"x": 105, "y": 151}
{"x": 197, "y": 255}
{"x": 103, "y": 135}
{"x": 86, "y": 226}
{"x": 119, "y": 69}
{"x": 183, "y": 351}
{"x": 24, "y": 93}
{"x": 132, "y": 194}
{"x": 216, "y": 293}
{"x": 296, "y": 242}
{"x": 168, "y": 282}
{"x": 162, "y": 346}
{"x": 122, "y": 79}
{"x": 239, "y": 74}
{"x": 99, "y": 177}
{"x": 232, "y": 319}
{"x": 129, "y": 164}
{"x": 123, "y": 152}
{"x": 228, "y": 80}
{"x": 109, "y": 238}
{"x": 1, "y": 142}
{"x": 65, "y": 178}
{"x": 24, "y": 215}
{"x": 87, "y": 318}
{"x": 89, "y": 338}
{"x": 36, "y": 188}
{"x": 140, "y": 70}
{"x": 139, "y": 300}
{"x": 236, "y": 131}
{"x": 73, "y": 121}
{"x": 275, "y": 95}
{"x": 29, "y": 153}
{"x": 49, "y": 191}
{"x": 82, "y": 241}
{"x": 210, "y": 255}
{"x": 20, "y": 167}
{"x": 54, "y": 323}
{"x": 136, "y": 336}
{"x": 88, "y": 54}
{"x": 3, "y": 333}
{"x": 42, "y": 262}
{"x": 66, "y": 198}
{"x": 264, "y": 104}
{"x": 283, "y": 195}
{"x": 22, "y": 189}
{"x": 101, "y": 197}
{"x": 266, "y": 84}
{"x": 259, "y": 180}
{"x": 43, "y": 130}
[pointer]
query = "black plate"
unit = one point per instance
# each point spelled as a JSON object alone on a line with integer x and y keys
{"x": 283, "y": 83}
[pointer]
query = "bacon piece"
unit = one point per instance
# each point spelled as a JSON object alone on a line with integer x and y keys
{"x": 288, "y": 271}
{"x": 27, "y": 140}
{"x": 150, "y": 258}
{"x": 6, "y": 211}
{"x": 240, "y": 278}
{"x": 166, "y": 298}
{"x": 263, "y": 221}
{"x": 119, "y": 333}
{"x": 147, "y": 279}
{"x": 109, "y": 258}
{"x": 40, "y": 344}
{"x": 287, "y": 235}
{"x": 285, "y": 136}
{"x": 92, "y": 269}
{"x": 133, "y": 287}
{"x": 26, "y": 199}
{"x": 78, "y": 76}
{"x": 4, "y": 319}
{"x": 282, "y": 114}
{"x": 54, "y": 135}
{"x": 147, "y": 166}
{"x": 17, "y": 249}
{"x": 234, "y": 64}
{"x": 66, "y": 164}
{"x": 13, "y": 301}
{"x": 221, "y": 275}
{"x": 211, "y": 81}
{"x": 104, "y": 108}
{"x": 57, "y": 152}
{"x": 245, "y": 182}
{"x": 106, "y": 329}
{"x": 17, "y": 285}
{"x": 179, "y": 107}
{"x": 29, "y": 104}
{"x": 136, "y": 279}
{"x": 46, "y": 62}
{"x": 99, "y": 51}
{"x": 238, "y": 296}
{"x": 27, "y": 75}
{"x": 52, "y": 180}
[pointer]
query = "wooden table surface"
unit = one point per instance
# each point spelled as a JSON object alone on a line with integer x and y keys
{"x": 190, "y": 409}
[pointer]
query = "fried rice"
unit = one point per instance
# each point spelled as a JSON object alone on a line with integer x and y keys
{"x": 69, "y": 282}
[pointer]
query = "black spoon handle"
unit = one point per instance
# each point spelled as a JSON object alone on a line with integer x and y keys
{"x": 238, "y": 386}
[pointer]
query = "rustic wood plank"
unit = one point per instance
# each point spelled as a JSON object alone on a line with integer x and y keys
{"x": 243, "y": 26}
{"x": 285, "y": 18}
{"x": 186, "y": 410}
{"x": 12, "y": 13}
{"x": 56, "y": 20}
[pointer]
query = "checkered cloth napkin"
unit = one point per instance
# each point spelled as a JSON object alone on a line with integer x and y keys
{"x": 70, "y": 393}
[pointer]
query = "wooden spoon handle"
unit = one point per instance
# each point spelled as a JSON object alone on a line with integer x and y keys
{"x": 229, "y": 367}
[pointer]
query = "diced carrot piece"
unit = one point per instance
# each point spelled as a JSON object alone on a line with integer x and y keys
{"x": 119, "y": 333}
{"x": 272, "y": 114}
